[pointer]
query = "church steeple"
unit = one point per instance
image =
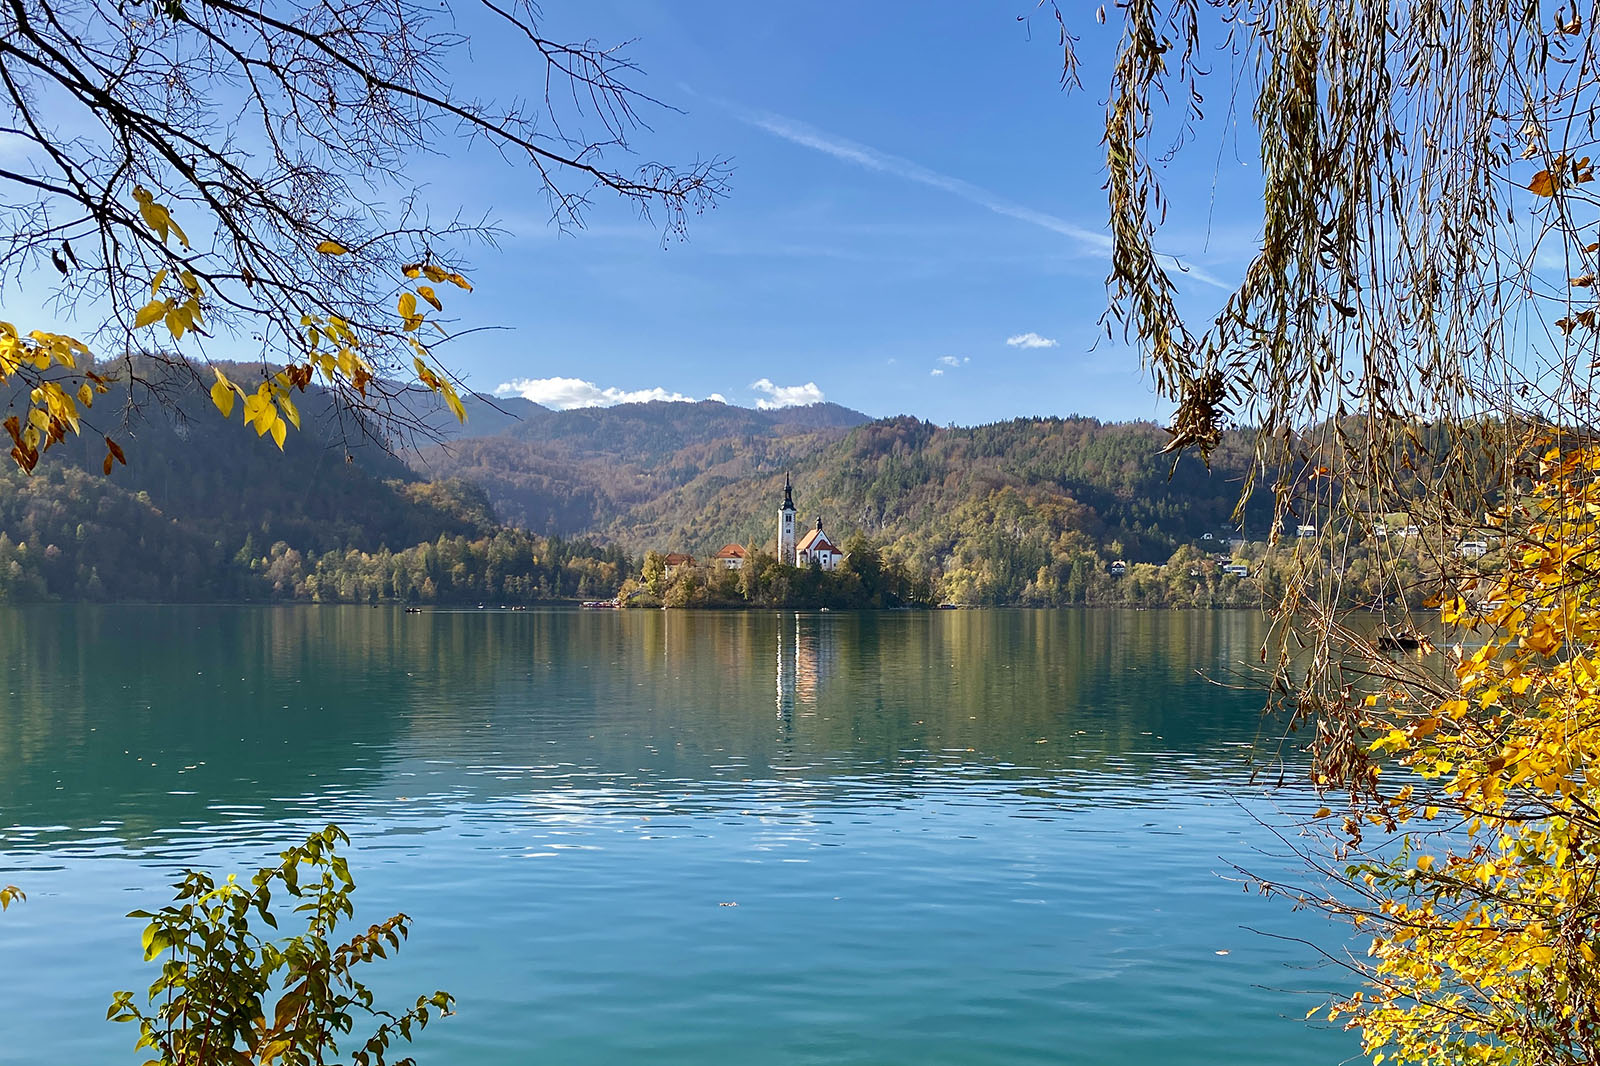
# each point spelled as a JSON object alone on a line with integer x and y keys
{"x": 786, "y": 524}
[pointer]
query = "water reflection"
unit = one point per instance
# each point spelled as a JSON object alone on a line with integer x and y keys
{"x": 808, "y": 654}
{"x": 976, "y": 837}
{"x": 156, "y": 716}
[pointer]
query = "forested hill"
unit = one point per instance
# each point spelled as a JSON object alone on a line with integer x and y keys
{"x": 692, "y": 477}
{"x": 206, "y": 510}
{"x": 589, "y": 470}
{"x": 561, "y": 505}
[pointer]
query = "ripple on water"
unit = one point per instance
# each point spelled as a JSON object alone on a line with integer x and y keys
{"x": 619, "y": 838}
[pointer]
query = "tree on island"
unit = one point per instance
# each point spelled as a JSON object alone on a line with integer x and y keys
{"x": 1421, "y": 299}
{"x": 210, "y": 179}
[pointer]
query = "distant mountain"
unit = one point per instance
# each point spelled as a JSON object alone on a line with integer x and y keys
{"x": 587, "y": 470}
{"x": 1039, "y": 492}
{"x": 657, "y": 426}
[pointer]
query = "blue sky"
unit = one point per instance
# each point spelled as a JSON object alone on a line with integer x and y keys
{"x": 916, "y": 223}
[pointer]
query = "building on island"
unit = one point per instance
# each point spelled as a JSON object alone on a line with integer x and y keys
{"x": 817, "y": 548}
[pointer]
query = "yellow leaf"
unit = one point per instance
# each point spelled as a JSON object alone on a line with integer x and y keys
{"x": 257, "y": 410}
{"x": 279, "y": 431}
{"x": 85, "y": 394}
{"x": 332, "y": 248}
{"x": 289, "y": 409}
{"x": 153, "y": 312}
{"x": 155, "y": 216}
{"x": 155, "y": 286}
{"x": 410, "y": 320}
{"x": 427, "y": 293}
{"x": 428, "y": 377}
{"x": 1543, "y": 184}
{"x": 454, "y": 401}
{"x": 222, "y": 396}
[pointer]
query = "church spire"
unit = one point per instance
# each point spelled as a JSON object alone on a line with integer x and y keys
{"x": 786, "y": 524}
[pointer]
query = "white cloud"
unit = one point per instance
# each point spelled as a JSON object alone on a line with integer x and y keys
{"x": 717, "y": 397}
{"x": 786, "y": 395}
{"x": 950, "y": 360}
{"x": 564, "y": 394}
{"x": 936, "y": 372}
{"x": 1031, "y": 340}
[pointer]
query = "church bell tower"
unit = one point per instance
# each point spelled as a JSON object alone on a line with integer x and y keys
{"x": 786, "y": 525}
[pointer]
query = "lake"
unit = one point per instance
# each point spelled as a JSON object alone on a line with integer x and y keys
{"x": 957, "y": 837}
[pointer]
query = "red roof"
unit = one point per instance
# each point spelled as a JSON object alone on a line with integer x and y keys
{"x": 731, "y": 551}
{"x": 679, "y": 559}
{"x": 816, "y": 540}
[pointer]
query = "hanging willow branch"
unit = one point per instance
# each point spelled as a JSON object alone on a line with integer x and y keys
{"x": 1420, "y": 304}
{"x": 1415, "y": 341}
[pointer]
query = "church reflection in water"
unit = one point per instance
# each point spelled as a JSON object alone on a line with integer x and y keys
{"x": 807, "y": 658}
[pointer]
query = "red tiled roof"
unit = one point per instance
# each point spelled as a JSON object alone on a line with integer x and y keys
{"x": 816, "y": 540}
{"x": 678, "y": 559}
{"x": 731, "y": 551}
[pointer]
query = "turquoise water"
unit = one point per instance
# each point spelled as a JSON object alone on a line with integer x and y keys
{"x": 953, "y": 837}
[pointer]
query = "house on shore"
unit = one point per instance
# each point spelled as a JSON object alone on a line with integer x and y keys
{"x": 677, "y": 561}
{"x": 730, "y": 557}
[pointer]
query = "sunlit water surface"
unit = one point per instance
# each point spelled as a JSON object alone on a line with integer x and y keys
{"x": 680, "y": 838}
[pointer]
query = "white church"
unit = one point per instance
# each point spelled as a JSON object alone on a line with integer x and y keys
{"x": 815, "y": 547}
